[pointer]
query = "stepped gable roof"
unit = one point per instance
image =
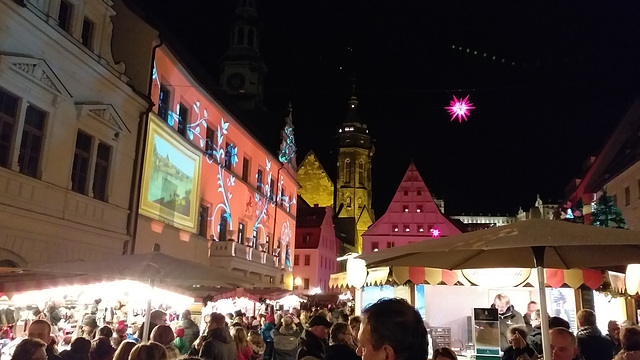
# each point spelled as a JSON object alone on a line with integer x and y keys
{"x": 413, "y": 206}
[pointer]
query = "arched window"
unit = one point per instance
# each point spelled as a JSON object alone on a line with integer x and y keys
{"x": 361, "y": 173}
{"x": 348, "y": 201}
{"x": 251, "y": 37}
{"x": 347, "y": 171}
{"x": 240, "y": 36}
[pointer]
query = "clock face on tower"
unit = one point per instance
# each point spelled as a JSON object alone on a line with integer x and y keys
{"x": 235, "y": 81}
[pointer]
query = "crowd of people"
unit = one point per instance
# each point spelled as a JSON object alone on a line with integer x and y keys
{"x": 388, "y": 329}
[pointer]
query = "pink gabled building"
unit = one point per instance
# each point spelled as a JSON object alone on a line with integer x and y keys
{"x": 412, "y": 216}
{"x": 316, "y": 248}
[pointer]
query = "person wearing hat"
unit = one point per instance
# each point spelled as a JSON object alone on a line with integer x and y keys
{"x": 314, "y": 341}
{"x": 89, "y": 327}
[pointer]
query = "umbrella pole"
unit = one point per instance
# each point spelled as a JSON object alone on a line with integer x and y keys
{"x": 538, "y": 253}
{"x": 147, "y": 317}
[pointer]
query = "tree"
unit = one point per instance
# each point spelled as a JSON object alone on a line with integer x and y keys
{"x": 606, "y": 213}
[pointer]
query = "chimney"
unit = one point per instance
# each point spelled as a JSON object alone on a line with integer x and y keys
{"x": 315, "y": 205}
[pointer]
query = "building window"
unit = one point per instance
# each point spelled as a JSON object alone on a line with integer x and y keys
{"x": 347, "y": 171}
{"x": 203, "y": 220}
{"x": 375, "y": 246}
{"x": 267, "y": 241}
{"x": 87, "y": 33}
{"x": 406, "y": 193}
{"x": 307, "y": 260}
{"x": 241, "y": 233}
{"x": 361, "y": 173}
{"x": 296, "y": 260}
{"x": 305, "y": 238}
{"x": 64, "y": 15}
{"x": 164, "y": 103}
{"x": 272, "y": 190}
{"x": 395, "y": 228}
{"x": 222, "y": 227}
{"x": 240, "y": 36}
{"x": 407, "y": 228}
{"x": 306, "y": 283}
{"x": 31, "y": 145}
{"x": 283, "y": 195}
{"x": 419, "y": 192}
{"x": 228, "y": 156}
{"x": 210, "y": 145}
{"x": 8, "y": 111}
{"x": 627, "y": 196}
{"x": 80, "y": 170}
{"x": 246, "y": 167}
{"x": 183, "y": 119}
{"x": 419, "y": 208}
{"x": 101, "y": 172}
{"x": 420, "y": 228}
{"x": 259, "y": 179}
{"x": 405, "y": 208}
{"x": 390, "y": 244}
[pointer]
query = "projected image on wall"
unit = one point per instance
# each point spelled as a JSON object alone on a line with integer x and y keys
{"x": 171, "y": 178}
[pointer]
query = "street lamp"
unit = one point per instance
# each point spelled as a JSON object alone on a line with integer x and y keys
{"x": 356, "y": 277}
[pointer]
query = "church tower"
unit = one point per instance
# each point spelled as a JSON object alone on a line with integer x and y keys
{"x": 353, "y": 185}
{"x": 242, "y": 69}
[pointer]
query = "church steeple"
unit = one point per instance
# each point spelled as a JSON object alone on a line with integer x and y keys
{"x": 353, "y": 186}
{"x": 242, "y": 69}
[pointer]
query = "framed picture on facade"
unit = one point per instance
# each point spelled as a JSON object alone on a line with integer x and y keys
{"x": 171, "y": 177}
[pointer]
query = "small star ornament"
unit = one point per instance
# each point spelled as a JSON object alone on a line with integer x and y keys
{"x": 459, "y": 108}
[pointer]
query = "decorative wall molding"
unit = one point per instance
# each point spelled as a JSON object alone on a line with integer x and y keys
{"x": 104, "y": 113}
{"x": 36, "y": 70}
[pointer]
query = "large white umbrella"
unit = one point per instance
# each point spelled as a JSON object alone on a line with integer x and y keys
{"x": 150, "y": 267}
{"x": 535, "y": 243}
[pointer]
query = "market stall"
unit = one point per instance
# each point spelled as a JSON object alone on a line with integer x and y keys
{"x": 253, "y": 301}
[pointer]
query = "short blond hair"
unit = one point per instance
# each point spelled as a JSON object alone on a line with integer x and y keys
{"x": 586, "y": 317}
{"x": 567, "y": 332}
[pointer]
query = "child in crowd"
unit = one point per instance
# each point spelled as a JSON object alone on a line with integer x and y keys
{"x": 257, "y": 344}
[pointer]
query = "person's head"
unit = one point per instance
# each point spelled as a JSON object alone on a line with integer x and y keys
{"x": 630, "y": 338}
{"x": 81, "y": 346}
{"x": 392, "y": 329}
{"x": 502, "y": 303}
{"x": 444, "y": 353}
{"x": 556, "y": 322}
{"x": 354, "y": 323}
{"x": 563, "y": 344}
{"x": 319, "y": 326}
{"x": 30, "y": 349}
{"x": 241, "y": 338}
{"x": 89, "y": 326}
{"x": 163, "y": 335}
{"x": 586, "y": 317}
{"x": 325, "y": 313}
{"x": 124, "y": 350}
{"x": 186, "y": 315}
{"x": 517, "y": 329}
{"x": 102, "y": 347}
{"x": 531, "y": 307}
{"x": 341, "y": 333}
{"x": 256, "y": 339}
{"x": 40, "y": 329}
{"x": 105, "y": 331}
{"x": 150, "y": 351}
{"x": 613, "y": 328}
{"x": 287, "y": 320}
{"x": 535, "y": 318}
{"x": 216, "y": 320}
{"x": 158, "y": 317}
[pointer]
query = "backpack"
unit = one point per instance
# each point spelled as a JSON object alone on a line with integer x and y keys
{"x": 285, "y": 342}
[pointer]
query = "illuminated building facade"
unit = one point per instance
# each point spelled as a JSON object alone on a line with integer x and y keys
{"x": 412, "y": 216}
{"x": 481, "y": 222}
{"x": 316, "y": 248}
{"x": 68, "y": 130}
{"x": 210, "y": 191}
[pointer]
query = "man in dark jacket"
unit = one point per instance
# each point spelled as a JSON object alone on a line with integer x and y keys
{"x": 614, "y": 335}
{"x": 191, "y": 329}
{"x": 508, "y": 317}
{"x": 591, "y": 343}
{"x": 218, "y": 344}
{"x": 535, "y": 337}
{"x": 315, "y": 338}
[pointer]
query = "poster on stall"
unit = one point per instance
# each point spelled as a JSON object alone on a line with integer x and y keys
{"x": 486, "y": 334}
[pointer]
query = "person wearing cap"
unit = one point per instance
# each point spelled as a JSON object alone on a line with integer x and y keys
{"x": 191, "y": 329}
{"x": 314, "y": 343}
{"x": 89, "y": 327}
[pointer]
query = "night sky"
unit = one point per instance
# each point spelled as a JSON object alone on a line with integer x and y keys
{"x": 570, "y": 71}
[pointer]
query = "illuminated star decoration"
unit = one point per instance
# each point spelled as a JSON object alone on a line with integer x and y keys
{"x": 460, "y": 108}
{"x": 435, "y": 233}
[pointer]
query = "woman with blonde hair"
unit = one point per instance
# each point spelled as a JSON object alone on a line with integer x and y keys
{"x": 242, "y": 344}
{"x": 150, "y": 351}
{"x": 124, "y": 350}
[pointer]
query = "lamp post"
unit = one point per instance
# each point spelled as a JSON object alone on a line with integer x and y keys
{"x": 356, "y": 277}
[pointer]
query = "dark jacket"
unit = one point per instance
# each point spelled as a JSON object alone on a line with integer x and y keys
{"x": 191, "y": 331}
{"x": 51, "y": 354}
{"x": 592, "y": 345}
{"x": 511, "y": 353}
{"x": 617, "y": 347}
{"x": 508, "y": 319}
{"x": 219, "y": 345}
{"x": 312, "y": 346}
{"x": 341, "y": 352}
{"x": 535, "y": 340}
{"x": 70, "y": 355}
{"x": 290, "y": 335}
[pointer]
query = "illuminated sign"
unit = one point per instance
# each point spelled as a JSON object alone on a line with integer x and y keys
{"x": 459, "y": 108}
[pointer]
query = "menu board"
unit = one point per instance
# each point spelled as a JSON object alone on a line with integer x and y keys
{"x": 486, "y": 334}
